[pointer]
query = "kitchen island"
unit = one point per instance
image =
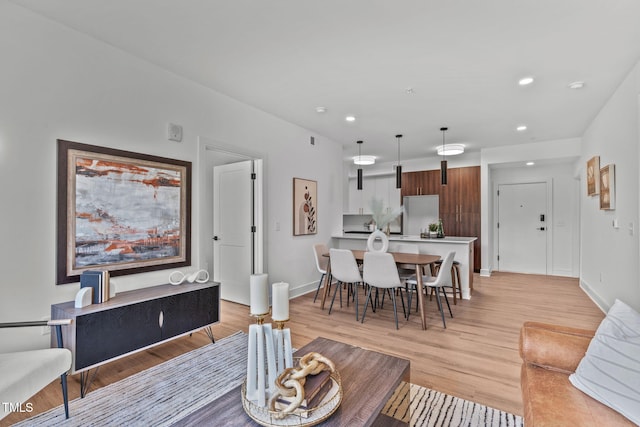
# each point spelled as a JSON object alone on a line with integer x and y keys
{"x": 462, "y": 246}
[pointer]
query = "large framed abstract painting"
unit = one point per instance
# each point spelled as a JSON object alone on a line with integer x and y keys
{"x": 120, "y": 211}
{"x": 305, "y": 207}
{"x": 608, "y": 187}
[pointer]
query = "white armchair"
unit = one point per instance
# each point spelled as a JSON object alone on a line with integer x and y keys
{"x": 24, "y": 373}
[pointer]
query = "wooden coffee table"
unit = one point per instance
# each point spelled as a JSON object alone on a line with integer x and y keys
{"x": 369, "y": 378}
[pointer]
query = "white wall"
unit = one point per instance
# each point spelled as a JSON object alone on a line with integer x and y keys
{"x": 610, "y": 256}
{"x": 563, "y": 151}
{"x": 564, "y": 218}
{"x": 58, "y": 84}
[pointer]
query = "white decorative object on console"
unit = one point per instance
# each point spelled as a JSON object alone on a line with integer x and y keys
{"x": 83, "y": 298}
{"x": 178, "y": 277}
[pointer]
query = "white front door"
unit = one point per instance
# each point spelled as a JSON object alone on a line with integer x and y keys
{"x": 522, "y": 228}
{"x": 232, "y": 222}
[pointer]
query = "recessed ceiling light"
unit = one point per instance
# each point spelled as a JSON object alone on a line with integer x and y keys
{"x": 525, "y": 81}
{"x": 321, "y": 109}
{"x": 521, "y": 128}
{"x": 350, "y": 118}
{"x": 530, "y": 163}
{"x": 576, "y": 85}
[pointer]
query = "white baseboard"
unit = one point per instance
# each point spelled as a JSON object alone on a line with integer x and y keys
{"x": 303, "y": 289}
{"x": 485, "y": 272}
{"x": 563, "y": 273}
{"x": 602, "y": 305}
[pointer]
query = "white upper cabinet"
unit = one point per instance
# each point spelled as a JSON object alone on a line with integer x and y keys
{"x": 380, "y": 187}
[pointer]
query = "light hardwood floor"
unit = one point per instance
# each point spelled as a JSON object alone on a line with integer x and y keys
{"x": 475, "y": 357}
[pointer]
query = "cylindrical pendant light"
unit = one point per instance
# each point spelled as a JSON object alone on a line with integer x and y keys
{"x": 359, "y": 179}
{"x": 443, "y": 163}
{"x": 398, "y": 167}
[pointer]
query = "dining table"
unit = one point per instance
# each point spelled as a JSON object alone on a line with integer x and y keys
{"x": 420, "y": 261}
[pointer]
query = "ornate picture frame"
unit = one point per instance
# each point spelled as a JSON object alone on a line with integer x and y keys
{"x": 608, "y": 187}
{"x": 593, "y": 176}
{"x": 120, "y": 211}
{"x": 305, "y": 207}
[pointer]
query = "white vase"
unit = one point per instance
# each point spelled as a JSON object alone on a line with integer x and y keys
{"x": 372, "y": 242}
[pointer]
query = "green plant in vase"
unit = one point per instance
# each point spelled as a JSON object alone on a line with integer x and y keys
{"x": 433, "y": 229}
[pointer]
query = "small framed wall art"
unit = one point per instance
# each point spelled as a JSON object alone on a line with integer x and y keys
{"x": 608, "y": 187}
{"x": 305, "y": 207}
{"x": 593, "y": 180}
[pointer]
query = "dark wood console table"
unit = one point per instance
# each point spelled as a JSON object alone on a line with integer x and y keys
{"x": 135, "y": 320}
{"x": 369, "y": 379}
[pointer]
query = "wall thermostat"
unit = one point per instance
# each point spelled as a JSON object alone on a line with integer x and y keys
{"x": 174, "y": 132}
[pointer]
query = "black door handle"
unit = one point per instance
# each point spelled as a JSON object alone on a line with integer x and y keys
{"x": 541, "y": 228}
{"x": 216, "y": 238}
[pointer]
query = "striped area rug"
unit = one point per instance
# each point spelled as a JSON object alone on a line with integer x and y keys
{"x": 420, "y": 406}
{"x": 168, "y": 392}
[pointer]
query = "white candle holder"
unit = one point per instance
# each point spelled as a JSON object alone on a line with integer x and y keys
{"x": 261, "y": 361}
{"x": 282, "y": 344}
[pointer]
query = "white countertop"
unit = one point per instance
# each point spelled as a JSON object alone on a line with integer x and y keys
{"x": 404, "y": 238}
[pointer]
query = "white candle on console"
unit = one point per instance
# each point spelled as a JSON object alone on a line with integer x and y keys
{"x": 280, "y": 297}
{"x": 259, "y": 294}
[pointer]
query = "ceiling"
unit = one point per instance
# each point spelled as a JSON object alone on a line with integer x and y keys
{"x": 405, "y": 66}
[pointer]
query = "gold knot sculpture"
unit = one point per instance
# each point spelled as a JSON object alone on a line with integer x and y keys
{"x": 290, "y": 382}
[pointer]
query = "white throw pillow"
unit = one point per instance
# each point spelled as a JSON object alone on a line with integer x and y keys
{"x": 610, "y": 370}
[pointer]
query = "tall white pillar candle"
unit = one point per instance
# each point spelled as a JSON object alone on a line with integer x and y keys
{"x": 259, "y": 294}
{"x": 280, "y": 296}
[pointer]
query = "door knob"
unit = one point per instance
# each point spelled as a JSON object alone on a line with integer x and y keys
{"x": 541, "y": 228}
{"x": 216, "y": 238}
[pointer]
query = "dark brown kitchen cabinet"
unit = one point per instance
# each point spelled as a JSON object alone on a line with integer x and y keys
{"x": 461, "y": 196}
{"x": 420, "y": 183}
{"x": 460, "y": 206}
{"x": 459, "y": 200}
{"x": 411, "y": 182}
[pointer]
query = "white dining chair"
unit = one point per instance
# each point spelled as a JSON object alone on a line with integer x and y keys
{"x": 379, "y": 271}
{"x": 322, "y": 263}
{"x": 344, "y": 269}
{"x": 406, "y": 272}
{"x": 443, "y": 279}
{"x": 456, "y": 283}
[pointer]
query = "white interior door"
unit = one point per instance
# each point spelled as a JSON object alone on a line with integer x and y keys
{"x": 232, "y": 222}
{"x": 522, "y": 228}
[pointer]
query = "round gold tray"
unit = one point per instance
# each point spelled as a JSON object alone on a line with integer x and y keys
{"x": 320, "y": 413}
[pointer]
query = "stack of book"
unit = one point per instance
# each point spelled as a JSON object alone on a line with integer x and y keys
{"x": 316, "y": 388}
{"x": 98, "y": 281}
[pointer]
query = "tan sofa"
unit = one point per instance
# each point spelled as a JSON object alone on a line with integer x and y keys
{"x": 550, "y": 353}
